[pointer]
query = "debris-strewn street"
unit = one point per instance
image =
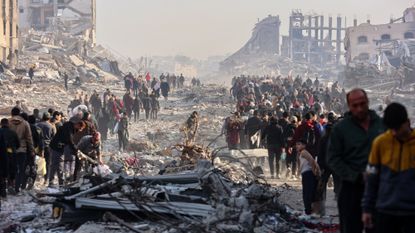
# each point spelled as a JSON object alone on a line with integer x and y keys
{"x": 225, "y": 197}
{"x": 165, "y": 116}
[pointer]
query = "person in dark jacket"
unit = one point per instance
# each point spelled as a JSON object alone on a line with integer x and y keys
{"x": 4, "y": 164}
{"x": 155, "y": 106}
{"x": 291, "y": 151}
{"x": 275, "y": 144}
{"x": 30, "y": 168}
{"x": 253, "y": 126}
{"x": 12, "y": 144}
{"x": 137, "y": 105}
{"x": 31, "y": 73}
{"x": 146, "y": 100}
{"x": 347, "y": 156}
{"x": 64, "y": 137}
{"x": 123, "y": 132}
{"x": 103, "y": 123}
{"x": 326, "y": 172}
{"x": 48, "y": 132}
{"x": 165, "y": 89}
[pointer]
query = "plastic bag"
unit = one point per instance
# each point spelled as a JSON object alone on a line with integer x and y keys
{"x": 41, "y": 166}
{"x": 116, "y": 127}
{"x": 283, "y": 156}
{"x": 102, "y": 170}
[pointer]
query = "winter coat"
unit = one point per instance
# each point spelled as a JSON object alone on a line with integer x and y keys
{"x": 22, "y": 129}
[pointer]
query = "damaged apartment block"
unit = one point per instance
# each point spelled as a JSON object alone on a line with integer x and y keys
{"x": 76, "y": 17}
{"x": 9, "y": 32}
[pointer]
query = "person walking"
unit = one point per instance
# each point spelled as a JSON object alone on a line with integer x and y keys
{"x": 123, "y": 132}
{"x": 309, "y": 172}
{"x": 389, "y": 201}
{"x": 347, "y": 156}
{"x": 22, "y": 129}
{"x": 274, "y": 135}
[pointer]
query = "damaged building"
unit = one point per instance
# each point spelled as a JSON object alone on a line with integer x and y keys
{"x": 364, "y": 41}
{"x": 76, "y": 17}
{"x": 313, "y": 45}
{"x": 264, "y": 42}
{"x": 383, "y": 51}
{"x": 9, "y": 30}
{"x": 312, "y": 40}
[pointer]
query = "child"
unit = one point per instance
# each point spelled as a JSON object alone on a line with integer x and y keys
{"x": 309, "y": 172}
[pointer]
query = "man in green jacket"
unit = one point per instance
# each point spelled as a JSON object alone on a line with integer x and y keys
{"x": 348, "y": 153}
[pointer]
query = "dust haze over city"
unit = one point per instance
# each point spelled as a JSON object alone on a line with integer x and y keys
{"x": 207, "y": 116}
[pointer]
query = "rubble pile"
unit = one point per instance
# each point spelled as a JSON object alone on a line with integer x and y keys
{"x": 201, "y": 200}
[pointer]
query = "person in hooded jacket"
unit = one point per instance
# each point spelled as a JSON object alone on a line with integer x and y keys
{"x": 22, "y": 129}
{"x": 165, "y": 89}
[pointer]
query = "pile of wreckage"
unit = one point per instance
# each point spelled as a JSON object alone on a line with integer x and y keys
{"x": 393, "y": 68}
{"x": 53, "y": 54}
{"x": 203, "y": 198}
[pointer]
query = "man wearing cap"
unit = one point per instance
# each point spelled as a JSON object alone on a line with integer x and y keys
{"x": 63, "y": 137}
{"x": 48, "y": 132}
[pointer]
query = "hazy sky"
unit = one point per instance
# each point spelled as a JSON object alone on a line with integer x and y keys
{"x": 202, "y": 28}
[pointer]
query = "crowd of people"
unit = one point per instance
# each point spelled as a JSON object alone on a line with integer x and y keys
{"x": 329, "y": 132}
{"x": 51, "y": 137}
{"x": 67, "y": 141}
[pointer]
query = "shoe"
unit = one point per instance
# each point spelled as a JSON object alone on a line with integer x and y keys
{"x": 278, "y": 177}
{"x": 272, "y": 177}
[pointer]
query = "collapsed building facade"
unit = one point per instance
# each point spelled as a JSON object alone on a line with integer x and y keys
{"x": 264, "y": 43}
{"x": 311, "y": 47}
{"x": 76, "y": 17}
{"x": 384, "y": 51}
{"x": 9, "y": 30}
{"x": 310, "y": 40}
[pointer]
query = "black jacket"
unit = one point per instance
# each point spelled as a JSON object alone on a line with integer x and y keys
{"x": 3, "y": 156}
{"x": 37, "y": 136}
{"x": 274, "y": 135}
{"x": 11, "y": 139}
{"x": 64, "y": 136}
{"x": 253, "y": 125}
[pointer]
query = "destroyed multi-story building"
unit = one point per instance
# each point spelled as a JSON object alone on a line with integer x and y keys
{"x": 310, "y": 40}
{"x": 264, "y": 42}
{"x": 76, "y": 17}
{"x": 364, "y": 41}
{"x": 9, "y": 30}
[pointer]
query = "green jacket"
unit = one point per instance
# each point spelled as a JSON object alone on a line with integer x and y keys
{"x": 350, "y": 144}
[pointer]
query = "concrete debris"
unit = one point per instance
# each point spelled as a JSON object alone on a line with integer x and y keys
{"x": 202, "y": 200}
